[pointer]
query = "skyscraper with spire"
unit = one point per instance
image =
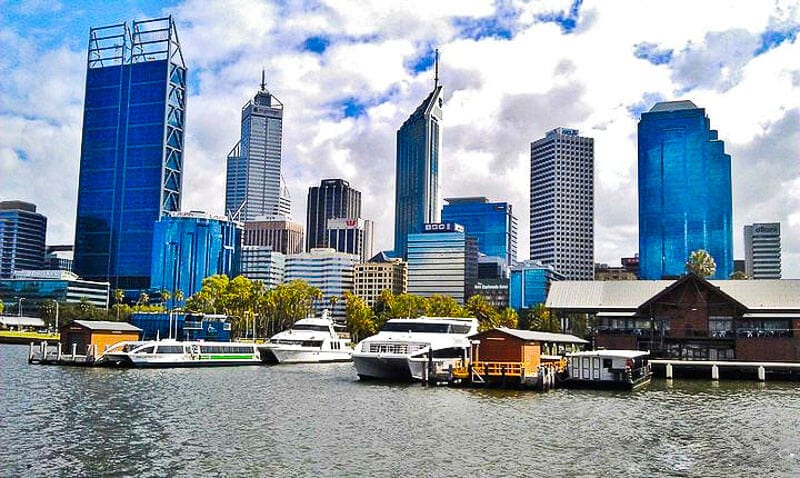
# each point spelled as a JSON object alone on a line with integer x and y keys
{"x": 254, "y": 186}
{"x": 417, "y": 198}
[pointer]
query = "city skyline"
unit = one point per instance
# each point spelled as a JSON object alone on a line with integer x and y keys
{"x": 351, "y": 83}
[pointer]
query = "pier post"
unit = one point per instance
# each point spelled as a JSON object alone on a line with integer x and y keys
{"x": 59, "y": 350}
{"x": 714, "y": 372}
{"x": 669, "y": 370}
{"x": 30, "y": 353}
{"x": 762, "y": 374}
{"x": 74, "y": 349}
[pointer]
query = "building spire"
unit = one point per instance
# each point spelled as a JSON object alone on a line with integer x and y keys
{"x": 263, "y": 80}
{"x": 436, "y": 68}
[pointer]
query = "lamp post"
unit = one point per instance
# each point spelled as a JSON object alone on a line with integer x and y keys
{"x": 56, "y": 302}
{"x": 19, "y": 306}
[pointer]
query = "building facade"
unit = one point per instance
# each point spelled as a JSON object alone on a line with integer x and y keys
{"x": 59, "y": 257}
{"x": 684, "y": 191}
{"x": 332, "y": 199}
{"x": 442, "y": 260}
{"x": 762, "y": 250}
{"x": 188, "y": 247}
{"x": 495, "y": 291}
{"x": 562, "y": 203}
{"x": 254, "y": 186}
{"x": 131, "y": 167}
{"x": 280, "y": 234}
{"x": 22, "y": 238}
{"x": 352, "y": 235}
{"x": 529, "y": 284}
{"x": 417, "y": 197}
{"x": 328, "y": 270}
{"x": 380, "y": 273}
{"x": 263, "y": 264}
{"x": 40, "y": 288}
{"x": 492, "y": 224}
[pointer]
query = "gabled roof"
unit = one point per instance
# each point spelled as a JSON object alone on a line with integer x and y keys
{"x": 107, "y": 325}
{"x": 692, "y": 277}
{"x": 539, "y": 336}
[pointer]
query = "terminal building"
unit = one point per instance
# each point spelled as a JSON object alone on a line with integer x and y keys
{"x": 689, "y": 318}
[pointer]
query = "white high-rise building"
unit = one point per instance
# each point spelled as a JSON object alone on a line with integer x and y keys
{"x": 254, "y": 186}
{"x": 762, "y": 250}
{"x": 562, "y": 203}
{"x": 263, "y": 264}
{"x": 328, "y": 270}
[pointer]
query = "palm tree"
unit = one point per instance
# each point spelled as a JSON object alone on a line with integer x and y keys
{"x": 119, "y": 294}
{"x": 701, "y": 263}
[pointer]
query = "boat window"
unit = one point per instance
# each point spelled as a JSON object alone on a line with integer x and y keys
{"x": 320, "y": 328}
{"x": 146, "y": 350}
{"x": 425, "y": 327}
{"x": 169, "y": 349}
{"x": 312, "y": 343}
{"x": 607, "y": 363}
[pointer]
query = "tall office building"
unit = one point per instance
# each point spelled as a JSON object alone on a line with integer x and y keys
{"x": 684, "y": 191}
{"x": 351, "y": 235}
{"x": 280, "y": 234}
{"x": 330, "y": 271}
{"x": 332, "y": 199}
{"x": 529, "y": 284}
{"x": 562, "y": 203}
{"x": 492, "y": 224}
{"x": 190, "y": 246}
{"x": 417, "y": 170}
{"x": 22, "y": 238}
{"x": 131, "y": 166}
{"x": 762, "y": 250}
{"x": 442, "y": 259}
{"x": 263, "y": 264}
{"x": 254, "y": 186}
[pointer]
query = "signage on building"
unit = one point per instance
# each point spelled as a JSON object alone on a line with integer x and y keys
{"x": 345, "y": 223}
{"x": 766, "y": 229}
{"x": 442, "y": 227}
{"x": 52, "y": 274}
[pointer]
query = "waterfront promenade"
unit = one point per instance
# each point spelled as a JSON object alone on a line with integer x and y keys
{"x": 319, "y": 420}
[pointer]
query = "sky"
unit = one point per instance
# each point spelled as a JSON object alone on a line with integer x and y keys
{"x": 350, "y": 72}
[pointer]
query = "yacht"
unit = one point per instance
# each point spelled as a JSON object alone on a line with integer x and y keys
{"x": 309, "y": 340}
{"x": 407, "y": 349}
{"x": 172, "y": 353}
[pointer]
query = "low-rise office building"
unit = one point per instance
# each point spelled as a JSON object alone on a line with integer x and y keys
{"x": 328, "y": 270}
{"x": 381, "y": 273}
{"x": 28, "y": 291}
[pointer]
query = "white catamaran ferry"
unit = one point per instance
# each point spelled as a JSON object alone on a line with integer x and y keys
{"x": 172, "y": 353}
{"x": 309, "y": 340}
{"x": 405, "y": 347}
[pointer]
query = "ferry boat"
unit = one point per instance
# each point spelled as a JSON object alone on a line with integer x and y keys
{"x": 627, "y": 369}
{"x": 172, "y": 353}
{"x": 309, "y": 340}
{"x": 405, "y": 349}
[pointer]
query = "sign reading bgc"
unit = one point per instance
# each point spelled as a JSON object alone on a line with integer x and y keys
{"x": 442, "y": 227}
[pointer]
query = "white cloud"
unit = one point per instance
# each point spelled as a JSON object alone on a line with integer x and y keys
{"x": 501, "y": 94}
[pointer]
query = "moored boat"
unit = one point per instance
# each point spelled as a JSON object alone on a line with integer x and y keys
{"x": 172, "y": 353}
{"x": 627, "y": 369}
{"x": 405, "y": 348}
{"x": 310, "y": 340}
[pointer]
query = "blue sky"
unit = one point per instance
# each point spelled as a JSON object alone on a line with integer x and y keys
{"x": 350, "y": 72}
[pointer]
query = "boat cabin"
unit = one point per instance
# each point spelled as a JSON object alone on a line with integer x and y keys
{"x": 623, "y": 368}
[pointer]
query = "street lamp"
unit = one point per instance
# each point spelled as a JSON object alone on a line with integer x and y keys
{"x": 56, "y": 302}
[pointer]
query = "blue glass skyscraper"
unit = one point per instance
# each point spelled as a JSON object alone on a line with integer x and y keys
{"x": 188, "y": 247}
{"x": 131, "y": 165}
{"x": 492, "y": 224}
{"x": 684, "y": 191}
{"x": 417, "y": 170}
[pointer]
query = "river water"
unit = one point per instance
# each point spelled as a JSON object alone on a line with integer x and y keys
{"x": 319, "y": 420}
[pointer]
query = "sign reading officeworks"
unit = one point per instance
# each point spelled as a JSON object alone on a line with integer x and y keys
{"x": 442, "y": 227}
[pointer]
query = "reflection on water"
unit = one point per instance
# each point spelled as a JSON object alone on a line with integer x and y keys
{"x": 319, "y": 420}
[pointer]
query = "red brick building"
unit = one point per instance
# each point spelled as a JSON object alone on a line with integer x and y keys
{"x": 689, "y": 318}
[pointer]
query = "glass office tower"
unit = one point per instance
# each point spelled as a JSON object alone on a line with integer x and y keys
{"x": 22, "y": 238}
{"x": 417, "y": 171}
{"x": 332, "y": 199}
{"x": 131, "y": 165}
{"x": 188, "y": 247}
{"x": 684, "y": 191}
{"x": 254, "y": 187}
{"x": 492, "y": 224}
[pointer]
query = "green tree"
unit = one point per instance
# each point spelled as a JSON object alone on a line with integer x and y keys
{"x": 407, "y": 305}
{"x": 286, "y": 304}
{"x": 739, "y": 275}
{"x": 508, "y": 317}
{"x": 144, "y": 299}
{"x": 488, "y": 317}
{"x": 542, "y": 319}
{"x": 360, "y": 320}
{"x": 439, "y": 305}
{"x": 701, "y": 263}
{"x": 2, "y": 307}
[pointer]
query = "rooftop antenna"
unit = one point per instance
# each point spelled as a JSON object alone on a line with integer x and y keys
{"x": 263, "y": 80}
{"x": 436, "y": 63}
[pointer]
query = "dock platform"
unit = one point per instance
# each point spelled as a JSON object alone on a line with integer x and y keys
{"x": 731, "y": 369}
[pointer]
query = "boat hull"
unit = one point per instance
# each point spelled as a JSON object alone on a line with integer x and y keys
{"x": 302, "y": 355}
{"x": 417, "y": 366}
{"x": 382, "y": 367}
